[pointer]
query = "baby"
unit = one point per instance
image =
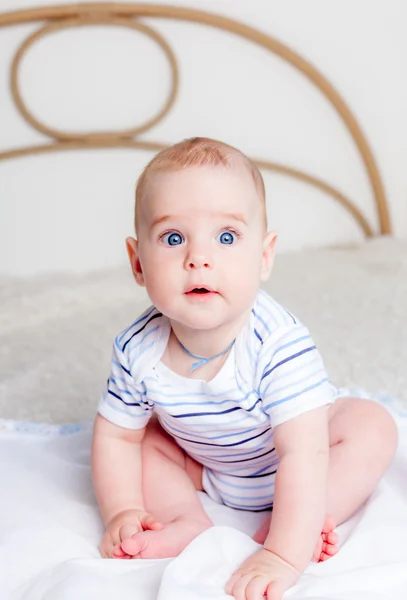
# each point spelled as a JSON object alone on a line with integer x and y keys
{"x": 218, "y": 388}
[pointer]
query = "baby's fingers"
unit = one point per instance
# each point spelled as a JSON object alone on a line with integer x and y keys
{"x": 126, "y": 531}
{"x": 247, "y": 587}
{"x": 149, "y": 522}
{"x": 106, "y": 547}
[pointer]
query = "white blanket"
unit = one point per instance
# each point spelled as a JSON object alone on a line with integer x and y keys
{"x": 50, "y": 529}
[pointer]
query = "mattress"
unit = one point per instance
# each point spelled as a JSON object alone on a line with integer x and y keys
{"x": 56, "y": 331}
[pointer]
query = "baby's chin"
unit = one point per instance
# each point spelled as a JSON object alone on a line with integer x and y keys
{"x": 201, "y": 312}
{"x": 197, "y": 318}
{"x": 201, "y": 322}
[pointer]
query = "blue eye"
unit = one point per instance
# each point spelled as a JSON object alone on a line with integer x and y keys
{"x": 172, "y": 239}
{"x": 227, "y": 237}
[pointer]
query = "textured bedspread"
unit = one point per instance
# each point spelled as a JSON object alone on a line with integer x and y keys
{"x": 50, "y": 530}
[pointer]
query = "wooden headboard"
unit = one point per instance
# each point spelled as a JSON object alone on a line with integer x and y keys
{"x": 58, "y": 18}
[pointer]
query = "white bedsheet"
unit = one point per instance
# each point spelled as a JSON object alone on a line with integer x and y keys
{"x": 50, "y": 529}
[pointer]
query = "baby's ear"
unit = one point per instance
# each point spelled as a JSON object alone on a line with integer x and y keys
{"x": 269, "y": 244}
{"x": 132, "y": 251}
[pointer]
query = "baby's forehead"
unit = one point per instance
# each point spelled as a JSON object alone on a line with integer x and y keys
{"x": 200, "y": 192}
{"x": 197, "y": 185}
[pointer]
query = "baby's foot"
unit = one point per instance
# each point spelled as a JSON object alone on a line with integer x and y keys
{"x": 327, "y": 543}
{"x": 167, "y": 542}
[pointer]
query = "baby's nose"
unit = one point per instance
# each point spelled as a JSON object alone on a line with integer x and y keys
{"x": 198, "y": 258}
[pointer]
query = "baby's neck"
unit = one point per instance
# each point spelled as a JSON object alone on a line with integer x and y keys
{"x": 201, "y": 343}
{"x": 206, "y": 343}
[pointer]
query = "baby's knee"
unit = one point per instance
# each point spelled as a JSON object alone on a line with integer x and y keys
{"x": 367, "y": 424}
{"x": 381, "y": 429}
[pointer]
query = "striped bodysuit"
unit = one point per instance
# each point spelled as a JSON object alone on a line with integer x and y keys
{"x": 273, "y": 373}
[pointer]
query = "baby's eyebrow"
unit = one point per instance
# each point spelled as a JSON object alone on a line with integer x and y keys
{"x": 234, "y": 217}
{"x": 162, "y": 219}
{"x": 225, "y": 216}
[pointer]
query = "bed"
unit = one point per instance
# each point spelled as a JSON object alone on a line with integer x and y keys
{"x": 56, "y": 328}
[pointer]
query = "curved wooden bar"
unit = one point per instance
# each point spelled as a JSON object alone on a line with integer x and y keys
{"x": 110, "y": 11}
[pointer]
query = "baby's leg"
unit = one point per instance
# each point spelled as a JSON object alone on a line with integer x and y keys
{"x": 170, "y": 480}
{"x": 363, "y": 440}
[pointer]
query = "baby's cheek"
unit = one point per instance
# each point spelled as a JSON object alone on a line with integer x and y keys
{"x": 244, "y": 290}
{"x": 246, "y": 273}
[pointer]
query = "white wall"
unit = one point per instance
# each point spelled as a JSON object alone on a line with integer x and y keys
{"x": 73, "y": 210}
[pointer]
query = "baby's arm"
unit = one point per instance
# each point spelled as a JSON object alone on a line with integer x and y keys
{"x": 116, "y": 473}
{"x": 299, "y": 507}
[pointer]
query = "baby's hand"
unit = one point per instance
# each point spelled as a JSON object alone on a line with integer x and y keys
{"x": 122, "y": 527}
{"x": 263, "y": 574}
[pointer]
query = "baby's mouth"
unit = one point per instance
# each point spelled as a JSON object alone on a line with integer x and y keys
{"x": 200, "y": 291}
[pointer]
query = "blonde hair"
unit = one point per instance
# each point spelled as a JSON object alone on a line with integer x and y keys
{"x": 196, "y": 152}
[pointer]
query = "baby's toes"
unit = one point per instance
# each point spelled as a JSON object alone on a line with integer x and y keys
{"x": 332, "y": 538}
{"x": 326, "y": 555}
{"x": 327, "y": 551}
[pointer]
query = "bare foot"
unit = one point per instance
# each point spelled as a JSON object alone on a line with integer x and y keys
{"x": 326, "y": 546}
{"x": 327, "y": 543}
{"x": 167, "y": 542}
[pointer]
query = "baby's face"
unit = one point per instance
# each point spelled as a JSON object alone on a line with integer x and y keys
{"x": 201, "y": 245}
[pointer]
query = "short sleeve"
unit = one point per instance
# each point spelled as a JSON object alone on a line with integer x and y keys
{"x": 124, "y": 402}
{"x": 293, "y": 379}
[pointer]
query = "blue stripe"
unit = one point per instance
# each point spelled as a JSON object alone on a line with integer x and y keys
{"x": 140, "y": 354}
{"x": 215, "y": 456}
{"x": 287, "y": 345}
{"x": 295, "y": 383}
{"x": 270, "y": 316}
{"x": 300, "y": 339}
{"x": 140, "y": 320}
{"x": 286, "y": 360}
{"x": 224, "y": 445}
{"x": 121, "y": 390}
{"x": 258, "y": 473}
{"x": 211, "y": 424}
{"x": 262, "y": 321}
{"x": 288, "y": 312}
{"x": 123, "y": 410}
{"x": 209, "y": 402}
{"x": 141, "y": 329}
{"x": 289, "y": 373}
{"x": 145, "y": 336}
{"x": 250, "y": 499}
{"x": 254, "y": 476}
{"x": 245, "y": 459}
{"x": 213, "y": 453}
{"x": 243, "y": 487}
{"x": 121, "y": 400}
{"x": 115, "y": 362}
{"x": 233, "y": 471}
{"x": 223, "y": 412}
{"x": 311, "y": 387}
{"x": 206, "y": 436}
{"x": 252, "y": 508}
{"x": 258, "y": 335}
